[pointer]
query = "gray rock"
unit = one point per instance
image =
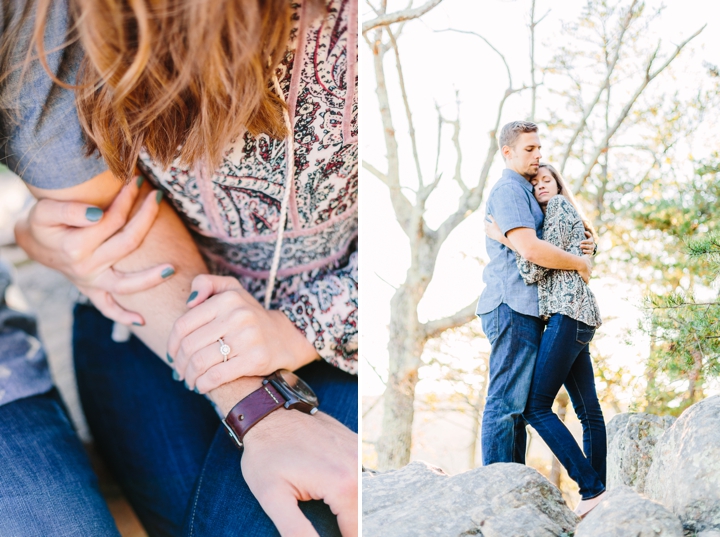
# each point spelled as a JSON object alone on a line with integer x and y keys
{"x": 500, "y": 500}
{"x": 685, "y": 473}
{"x": 631, "y": 442}
{"x": 624, "y": 512}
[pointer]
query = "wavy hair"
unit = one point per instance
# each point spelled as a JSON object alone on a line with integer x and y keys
{"x": 177, "y": 78}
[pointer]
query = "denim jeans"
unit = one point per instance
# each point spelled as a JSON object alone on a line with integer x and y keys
{"x": 564, "y": 358}
{"x": 47, "y": 487}
{"x": 514, "y": 340}
{"x": 166, "y": 445}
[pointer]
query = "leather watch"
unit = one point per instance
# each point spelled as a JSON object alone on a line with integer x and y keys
{"x": 281, "y": 389}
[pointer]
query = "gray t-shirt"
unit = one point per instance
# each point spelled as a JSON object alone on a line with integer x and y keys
{"x": 41, "y": 141}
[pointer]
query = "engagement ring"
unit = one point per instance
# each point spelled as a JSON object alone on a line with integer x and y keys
{"x": 224, "y": 349}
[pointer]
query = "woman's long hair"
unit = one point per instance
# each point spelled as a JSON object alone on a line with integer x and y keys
{"x": 565, "y": 191}
{"x": 178, "y": 78}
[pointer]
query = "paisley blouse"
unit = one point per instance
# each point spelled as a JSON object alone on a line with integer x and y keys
{"x": 562, "y": 291}
{"x": 233, "y": 212}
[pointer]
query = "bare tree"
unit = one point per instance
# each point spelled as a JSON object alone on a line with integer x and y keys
{"x": 407, "y": 334}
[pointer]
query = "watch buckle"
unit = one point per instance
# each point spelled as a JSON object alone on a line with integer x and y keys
{"x": 232, "y": 434}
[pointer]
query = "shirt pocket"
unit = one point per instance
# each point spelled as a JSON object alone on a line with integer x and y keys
{"x": 585, "y": 333}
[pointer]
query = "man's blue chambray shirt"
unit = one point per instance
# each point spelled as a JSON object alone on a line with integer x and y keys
{"x": 512, "y": 204}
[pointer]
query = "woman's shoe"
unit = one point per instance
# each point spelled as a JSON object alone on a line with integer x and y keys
{"x": 585, "y": 506}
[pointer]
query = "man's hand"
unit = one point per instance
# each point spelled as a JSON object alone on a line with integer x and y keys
{"x": 585, "y": 270}
{"x": 84, "y": 242}
{"x": 291, "y": 456}
{"x": 588, "y": 245}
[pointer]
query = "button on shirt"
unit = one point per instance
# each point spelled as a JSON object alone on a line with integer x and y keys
{"x": 512, "y": 204}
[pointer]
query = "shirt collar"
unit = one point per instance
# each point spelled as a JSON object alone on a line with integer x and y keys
{"x": 515, "y": 176}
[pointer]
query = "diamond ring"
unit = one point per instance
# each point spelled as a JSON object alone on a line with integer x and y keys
{"x": 224, "y": 349}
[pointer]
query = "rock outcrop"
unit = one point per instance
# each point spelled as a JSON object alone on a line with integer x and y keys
{"x": 624, "y": 512}
{"x": 500, "y": 500}
{"x": 631, "y": 443}
{"x": 685, "y": 472}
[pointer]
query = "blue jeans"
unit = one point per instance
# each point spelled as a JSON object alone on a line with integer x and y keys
{"x": 564, "y": 358}
{"x": 166, "y": 446}
{"x": 514, "y": 340}
{"x": 47, "y": 486}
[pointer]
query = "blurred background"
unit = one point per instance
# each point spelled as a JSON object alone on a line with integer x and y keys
{"x": 50, "y": 297}
{"x": 626, "y": 96}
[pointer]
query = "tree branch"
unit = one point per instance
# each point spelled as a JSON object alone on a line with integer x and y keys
{"x": 489, "y": 44}
{"x": 434, "y": 328}
{"x": 605, "y": 85}
{"x": 398, "y": 16}
{"x": 649, "y": 76}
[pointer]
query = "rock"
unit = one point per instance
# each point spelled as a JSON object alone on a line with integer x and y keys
{"x": 685, "y": 473}
{"x": 631, "y": 443}
{"x": 624, "y": 512}
{"x": 500, "y": 500}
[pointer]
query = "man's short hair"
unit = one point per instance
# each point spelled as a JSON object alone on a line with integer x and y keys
{"x": 511, "y": 131}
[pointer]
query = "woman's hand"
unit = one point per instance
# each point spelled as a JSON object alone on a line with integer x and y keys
{"x": 492, "y": 230}
{"x": 261, "y": 341}
{"x": 84, "y": 242}
{"x": 588, "y": 246}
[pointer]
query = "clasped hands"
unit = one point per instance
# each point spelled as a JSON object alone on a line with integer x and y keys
{"x": 84, "y": 243}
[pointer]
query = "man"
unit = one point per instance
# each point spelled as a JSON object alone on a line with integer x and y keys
{"x": 508, "y": 307}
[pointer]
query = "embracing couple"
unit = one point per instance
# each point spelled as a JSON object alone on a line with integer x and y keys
{"x": 539, "y": 315}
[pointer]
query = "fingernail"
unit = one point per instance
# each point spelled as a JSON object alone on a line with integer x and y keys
{"x": 175, "y": 375}
{"x": 93, "y": 214}
{"x": 137, "y": 324}
{"x": 196, "y": 390}
{"x": 186, "y": 384}
{"x": 167, "y": 272}
{"x": 169, "y": 358}
{"x": 192, "y": 297}
{"x": 158, "y": 196}
{"x": 139, "y": 181}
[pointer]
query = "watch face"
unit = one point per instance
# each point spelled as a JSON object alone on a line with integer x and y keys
{"x": 298, "y": 386}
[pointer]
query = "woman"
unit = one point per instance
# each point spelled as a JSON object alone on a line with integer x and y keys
{"x": 571, "y": 311}
{"x": 243, "y": 115}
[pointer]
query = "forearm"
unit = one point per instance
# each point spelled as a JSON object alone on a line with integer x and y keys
{"x": 550, "y": 256}
{"x": 167, "y": 242}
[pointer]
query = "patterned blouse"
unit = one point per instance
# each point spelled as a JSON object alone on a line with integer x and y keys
{"x": 234, "y": 212}
{"x": 562, "y": 291}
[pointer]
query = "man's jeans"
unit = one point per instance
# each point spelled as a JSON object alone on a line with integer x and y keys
{"x": 165, "y": 444}
{"x": 515, "y": 339}
{"x": 564, "y": 358}
{"x": 47, "y": 487}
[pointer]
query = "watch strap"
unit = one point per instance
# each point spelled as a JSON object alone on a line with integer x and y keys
{"x": 251, "y": 410}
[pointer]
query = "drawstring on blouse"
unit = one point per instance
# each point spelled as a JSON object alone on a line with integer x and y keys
{"x": 290, "y": 177}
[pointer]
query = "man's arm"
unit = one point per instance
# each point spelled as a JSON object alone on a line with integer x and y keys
{"x": 525, "y": 242}
{"x": 167, "y": 242}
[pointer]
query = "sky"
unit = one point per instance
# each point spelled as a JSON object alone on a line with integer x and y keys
{"x": 436, "y": 65}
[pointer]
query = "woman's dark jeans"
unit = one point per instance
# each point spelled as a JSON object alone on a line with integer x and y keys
{"x": 564, "y": 358}
{"x": 166, "y": 445}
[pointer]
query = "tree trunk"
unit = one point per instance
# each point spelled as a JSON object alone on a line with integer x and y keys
{"x": 405, "y": 349}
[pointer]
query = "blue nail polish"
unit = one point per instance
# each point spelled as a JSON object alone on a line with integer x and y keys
{"x": 140, "y": 180}
{"x": 169, "y": 358}
{"x": 192, "y": 297}
{"x": 195, "y": 389}
{"x": 93, "y": 214}
{"x": 186, "y": 384}
{"x": 167, "y": 272}
{"x": 176, "y": 376}
{"x": 136, "y": 324}
{"x": 159, "y": 196}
